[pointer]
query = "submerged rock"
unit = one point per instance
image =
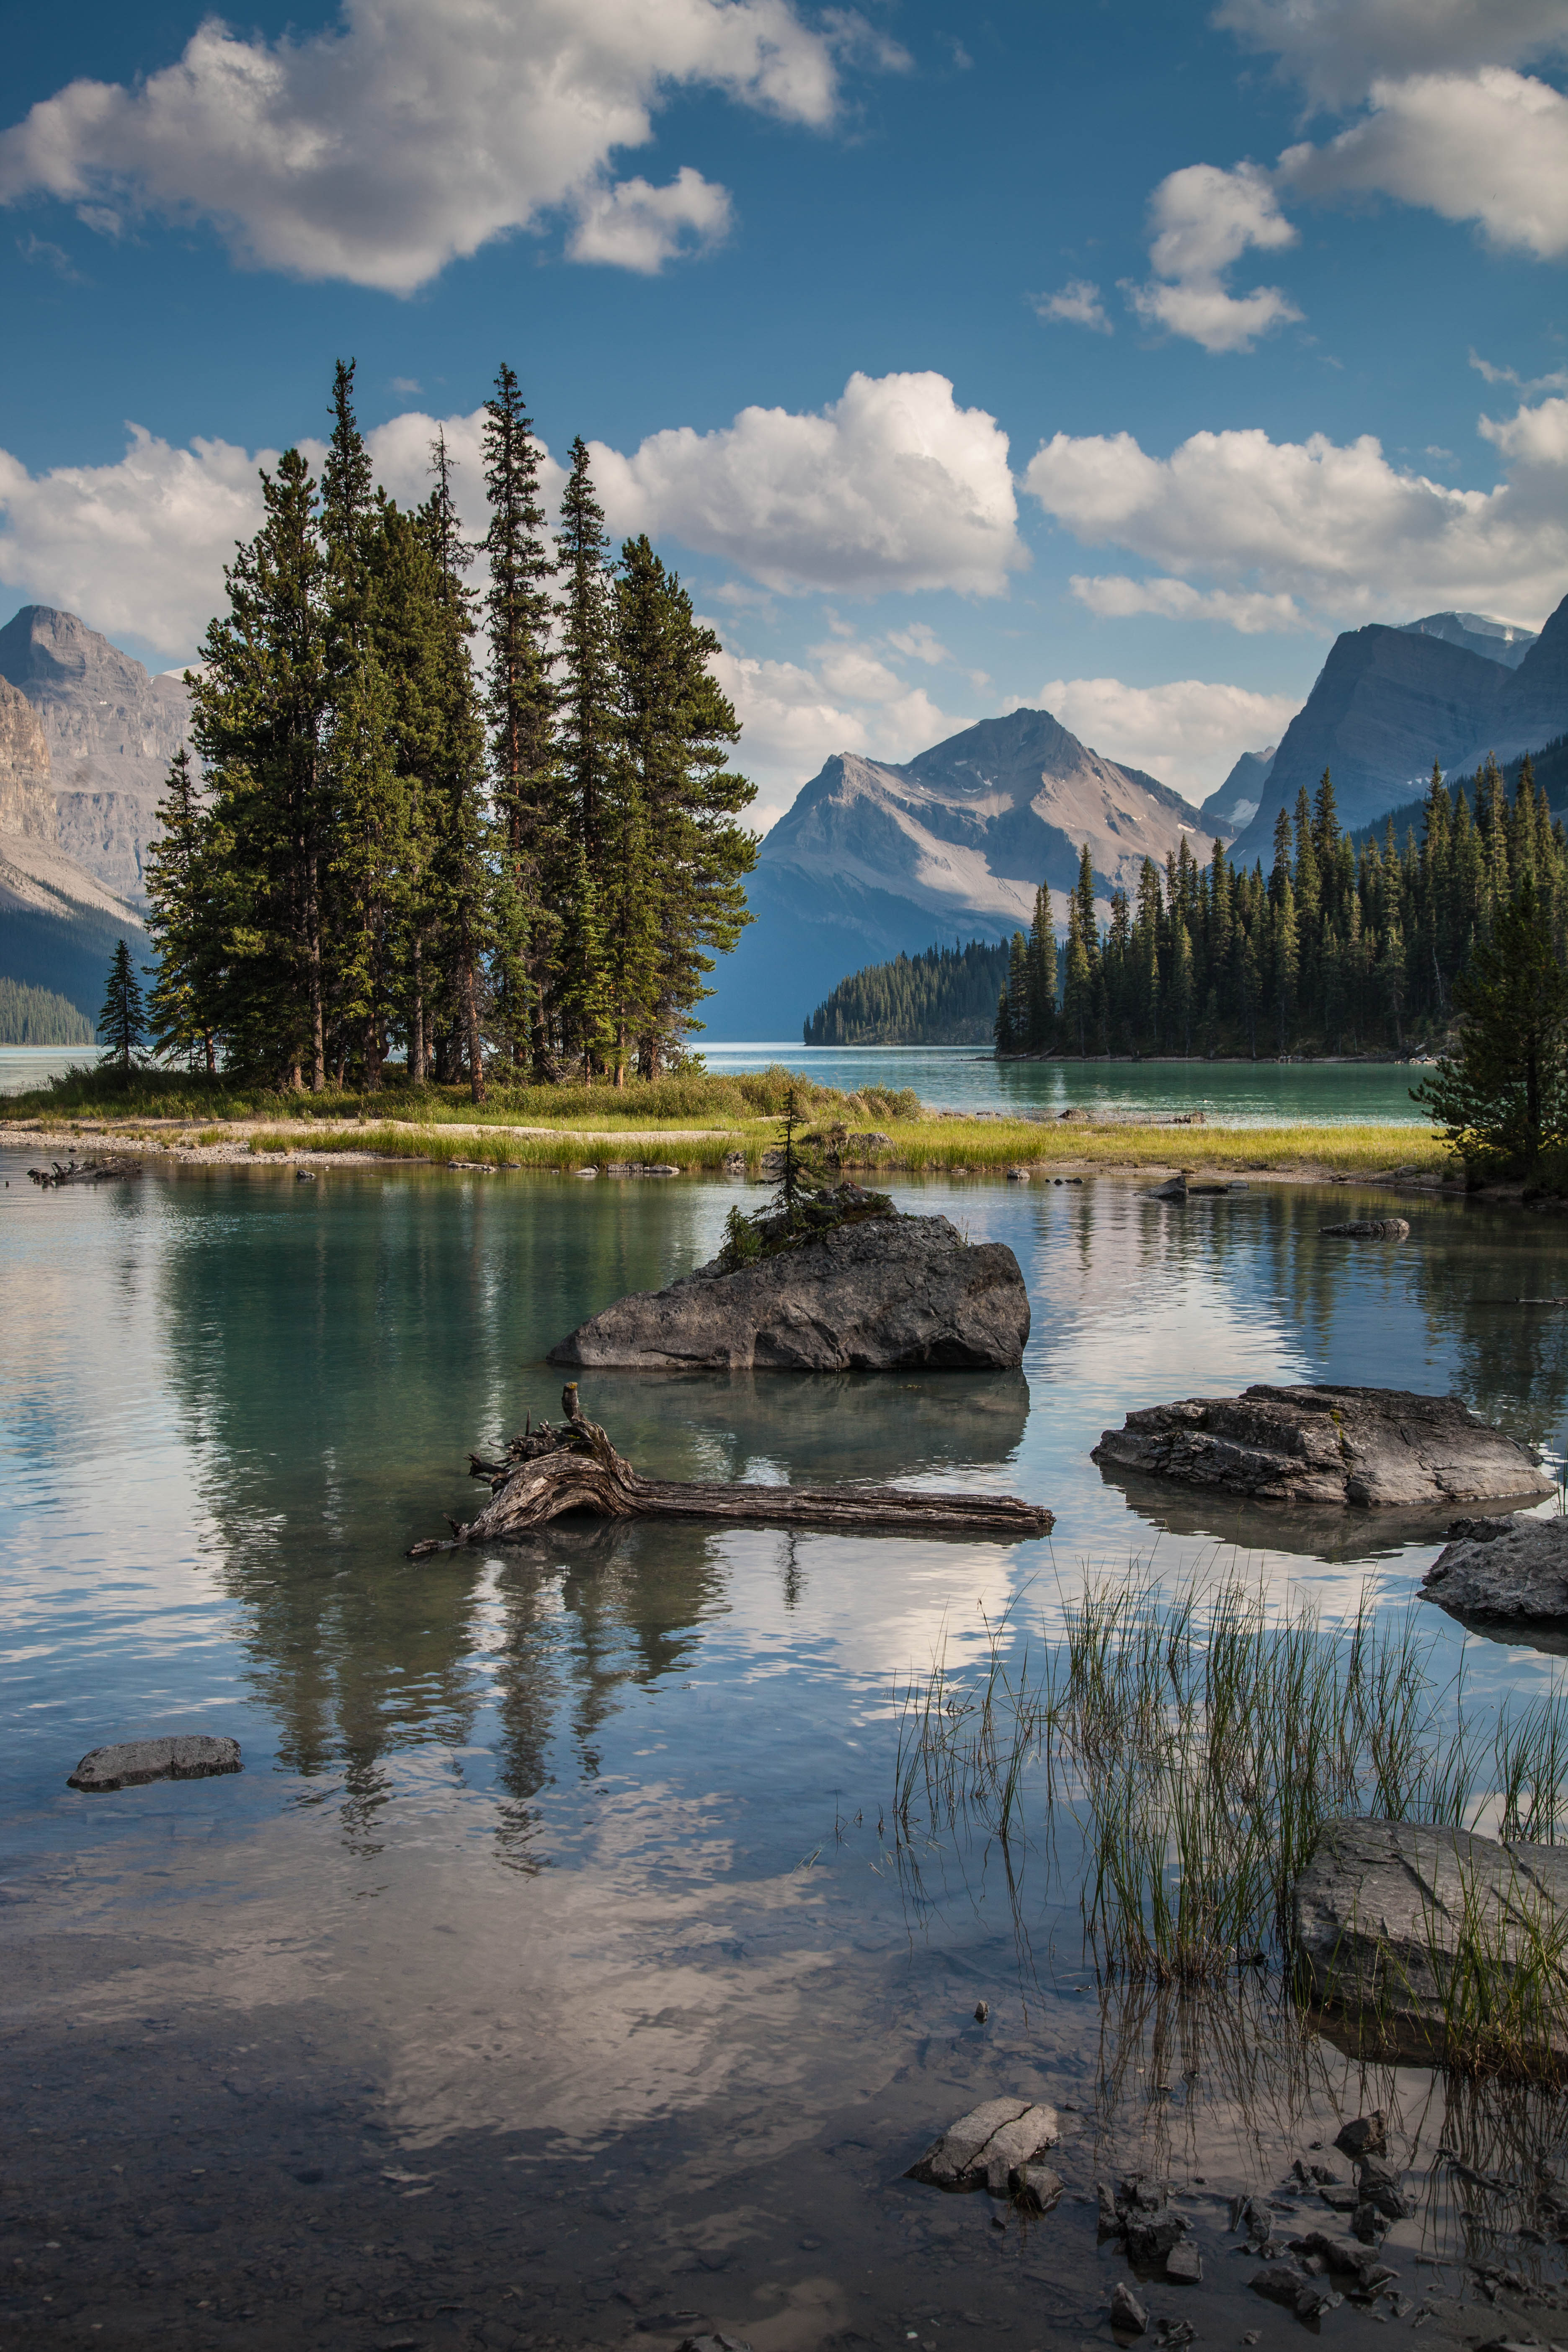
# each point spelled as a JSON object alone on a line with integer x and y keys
{"x": 986, "y": 2146}
{"x": 1507, "y": 1571}
{"x": 1322, "y": 1444}
{"x": 184, "y": 1756}
{"x": 1388, "y": 1915}
{"x": 885, "y": 1294}
{"x": 1370, "y": 1229}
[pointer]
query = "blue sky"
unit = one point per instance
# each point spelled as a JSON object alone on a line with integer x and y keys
{"x": 1113, "y": 357}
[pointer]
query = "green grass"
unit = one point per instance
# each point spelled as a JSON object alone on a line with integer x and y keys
{"x": 1199, "y": 1740}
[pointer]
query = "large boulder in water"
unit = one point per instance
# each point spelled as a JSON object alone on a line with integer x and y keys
{"x": 888, "y": 1294}
{"x": 1361, "y": 1446}
{"x": 1503, "y": 1571}
{"x": 1387, "y": 1916}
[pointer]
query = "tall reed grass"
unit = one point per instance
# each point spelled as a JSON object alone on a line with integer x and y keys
{"x": 1198, "y": 1739}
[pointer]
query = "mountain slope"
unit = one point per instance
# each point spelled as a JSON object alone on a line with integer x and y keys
{"x": 875, "y": 859}
{"x": 1387, "y": 702}
{"x": 1499, "y": 640}
{"x": 111, "y": 730}
{"x": 59, "y": 923}
{"x": 1236, "y": 801}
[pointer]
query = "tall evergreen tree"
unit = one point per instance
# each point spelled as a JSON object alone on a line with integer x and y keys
{"x": 1504, "y": 1097}
{"x": 522, "y": 711}
{"x": 122, "y": 1020}
{"x": 182, "y": 870}
{"x": 674, "y": 884}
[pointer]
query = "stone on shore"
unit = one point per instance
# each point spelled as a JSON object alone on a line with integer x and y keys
{"x": 1507, "y": 1571}
{"x": 1366, "y": 1448}
{"x": 986, "y": 2148}
{"x": 186, "y": 1756}
{"x": 882, "y": 1294}
{"x": 1385, "y": 1915}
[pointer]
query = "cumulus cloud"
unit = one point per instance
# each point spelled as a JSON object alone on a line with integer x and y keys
{"x": 635, "y": 227}
{"x": 383, "y": 147}
{"x": 1076, "y": 305}
{"x": 1203, "y": 220}
{"x": 1338, "y": 48}
{"x": 1490, "y": 146}
{"x": 1336, "y": 526}
{"x": 1190, "y": 733}
{"x": 794, "y": 717}
{"x": 1112, "y": 596}
{"x": 892, "y": 485}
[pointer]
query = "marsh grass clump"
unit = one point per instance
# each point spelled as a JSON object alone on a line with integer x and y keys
{"x": 1198, "y": 1740}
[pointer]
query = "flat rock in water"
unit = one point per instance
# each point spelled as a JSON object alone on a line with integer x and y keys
{"x": 984, "y": 2148}
{"x": 1384, "y": 1910}
{"x": 1185, "y": 2264}
{"x": 1361, "y": 1446}
{"x": 1510, "y": 1570}
{"x": 1036, "y": 2188}
{"x": 882, "y": 1294}
{"x": 186, "y": 1756}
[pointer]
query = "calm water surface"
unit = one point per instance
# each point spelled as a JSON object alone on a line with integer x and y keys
{"x": 548, "y": 1975}
{"x": 1242, "y": 1093}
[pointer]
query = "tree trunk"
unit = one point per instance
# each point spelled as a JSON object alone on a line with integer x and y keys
{"x": 576, "y": 1468}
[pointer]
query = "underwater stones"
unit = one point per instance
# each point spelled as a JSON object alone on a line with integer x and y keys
{"x": 1364, "y": 1447}
{"x": 184, "y": 1756}
{"x": 883, "y": 1293}
{"x": 1369, "y": 1228}
{"x": 986, "y": 2146}
{"x": 1507, "y": 1571}
{"x": 1127, "y": 2313}
{"x": 1389, "y": 1915}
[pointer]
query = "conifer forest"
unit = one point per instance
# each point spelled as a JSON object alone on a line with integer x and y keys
{"x": 1345, "y": 946}
{"x": 466, "y": 805}
{"x": 945, "y": 996}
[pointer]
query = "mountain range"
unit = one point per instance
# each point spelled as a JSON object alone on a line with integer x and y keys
{"x": 874, "y": 858}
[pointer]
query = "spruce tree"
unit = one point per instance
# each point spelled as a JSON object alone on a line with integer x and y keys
{"x": 260, "y": 705}
{"x": 521, "y": 701}
{"x": 676, "y": 858}
{"x": 182, "y": 869}
{"x": 1504, "y": 1097}
{"x": 122, "y": 1020}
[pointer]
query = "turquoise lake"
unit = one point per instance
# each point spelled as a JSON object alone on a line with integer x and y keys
{"x": 548, "y": 1975}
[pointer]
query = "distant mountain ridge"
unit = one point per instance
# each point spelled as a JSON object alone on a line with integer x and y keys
{"x": 111, "y": 729}
{"x": 876, "y": 858}
{"x": 1388, "y": 701}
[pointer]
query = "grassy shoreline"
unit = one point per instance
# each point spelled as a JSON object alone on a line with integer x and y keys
{"x": 927, "y": 1145}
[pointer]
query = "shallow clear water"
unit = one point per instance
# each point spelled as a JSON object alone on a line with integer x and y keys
{"x": 962, "y": 1077}
{"x": 549, "y": 1967}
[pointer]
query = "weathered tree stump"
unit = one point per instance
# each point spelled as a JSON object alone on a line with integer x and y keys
{"x": 549, "y": 1472}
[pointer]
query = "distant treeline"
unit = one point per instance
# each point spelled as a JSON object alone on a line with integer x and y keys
{"x": 945, "y": 996}
{"x": 37, "y": 1016}
{"x": 1345, "y": 945}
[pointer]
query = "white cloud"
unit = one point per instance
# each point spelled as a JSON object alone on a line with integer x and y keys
{"x": 138, "y": 547}
{"x": 1491, "y": 147}
{"x": 1189, "y": 734}
{"x": 404, "y": 135}
{"x": 1337, "y": 527}
{"x": 1203, "y": 220}
{"x": 1524, "y": 385}
{"x": 1114, "y": 598}
{"x": 1077, "y": 304}
{"x": 794, "y": 718}
{"x": 641, "y": 228}
{"x": 1338, "y": 48}
{"x": 893, "y": 486}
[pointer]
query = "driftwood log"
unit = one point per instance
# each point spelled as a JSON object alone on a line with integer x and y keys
{"x": 548, "y": 1472}
{"x": 83, "y": 1172}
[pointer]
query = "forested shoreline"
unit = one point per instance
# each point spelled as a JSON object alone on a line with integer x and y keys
{"x": 1341, "y": 948}
{"x": 525, "y": 871}
{"x": 945, "y": 996}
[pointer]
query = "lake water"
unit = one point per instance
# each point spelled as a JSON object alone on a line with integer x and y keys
{"x": 1239, "y": 1094}
{"x": 961, "y": 1077}
{"x": 550, "y": 1975}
